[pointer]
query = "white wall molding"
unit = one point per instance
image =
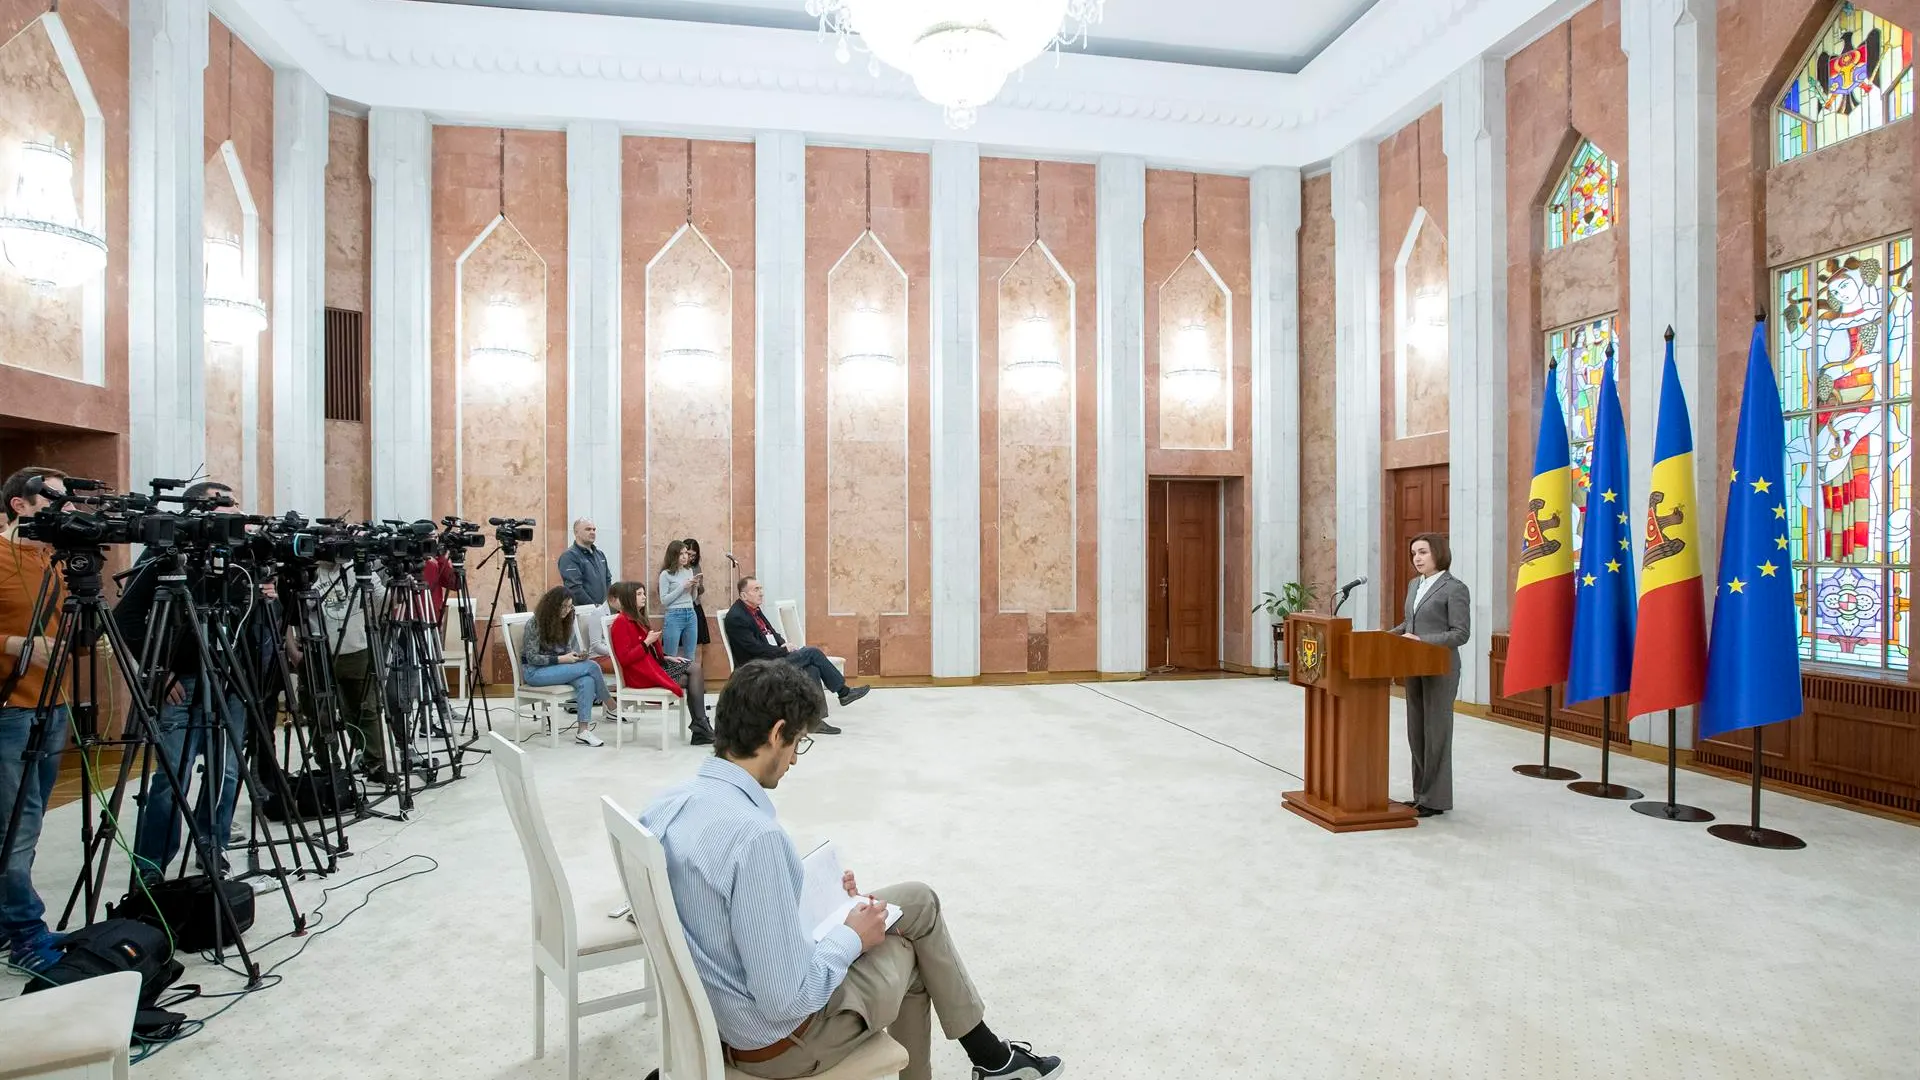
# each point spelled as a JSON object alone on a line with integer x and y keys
{"x": 1276, "y": 392}
{"x": 1672, "y": 246}
{"x": 166, "y": 295}
{"x": 594, "y": 462}
{"x": 954, "y": 287}
{"x": 300, "y": 149}
{"x": 1120, "y": 209}
{"x": 400, "y": 162}
{"x": 1356, "y": 387}
{"x": 779, "y": 364}
{"x": 1474, "y": 123}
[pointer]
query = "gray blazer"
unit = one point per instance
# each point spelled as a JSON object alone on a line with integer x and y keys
{"x": 1444, "y": 617}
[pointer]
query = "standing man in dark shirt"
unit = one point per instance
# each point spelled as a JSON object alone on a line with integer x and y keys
{"x": 752, "y": 637}
{"x": 583, "y": 567}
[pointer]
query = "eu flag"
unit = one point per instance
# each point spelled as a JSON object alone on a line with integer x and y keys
{"x": 1603, "y": 598}
{"x": 1753, "y": 658}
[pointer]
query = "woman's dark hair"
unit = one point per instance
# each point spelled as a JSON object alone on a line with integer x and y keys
{"x": 671, "y": 563}
{"x": 757, "y": 695}
{"x": 628, "y": 593}
{"x": 552, "y": 627}
{"x": 693, "y": 546}
{"x": 1436, "y": 543}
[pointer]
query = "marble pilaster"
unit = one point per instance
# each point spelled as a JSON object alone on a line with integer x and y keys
{"x": 1276, "y": 392}
{"x": 779, "y": 402}
{"x": 300, "y": 149}
{"x": 1120, "y": 218}
{"x": 1356, "y": 391}
{"x": 593, "y": 333}
{"x": 954, "y": 408}
{"x": 400, "y": 162}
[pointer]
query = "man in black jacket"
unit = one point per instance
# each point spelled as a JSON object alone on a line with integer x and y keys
{"x": 752, "y": 637}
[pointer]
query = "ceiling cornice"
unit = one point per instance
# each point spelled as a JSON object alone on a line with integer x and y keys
{"x": 466, "y": 63}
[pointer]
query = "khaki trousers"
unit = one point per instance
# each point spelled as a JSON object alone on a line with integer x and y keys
{"x": 889, "y": 989}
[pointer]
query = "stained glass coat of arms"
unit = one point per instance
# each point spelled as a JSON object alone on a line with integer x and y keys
{"x": 1582, "y": 205}
{"x": 1858, "y": 76}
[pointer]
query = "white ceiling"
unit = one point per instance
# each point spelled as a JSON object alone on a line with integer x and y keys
{"x": 1257, "y": 35}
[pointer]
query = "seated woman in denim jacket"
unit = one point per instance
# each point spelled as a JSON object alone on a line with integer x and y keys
{"x": 547, "y": 659}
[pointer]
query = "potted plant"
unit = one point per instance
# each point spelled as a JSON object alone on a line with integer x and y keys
{"x": 1293, "y": 597}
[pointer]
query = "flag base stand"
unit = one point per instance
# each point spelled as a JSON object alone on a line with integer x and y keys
{"x": 1670, "y": 810}
{"x": 1751, "y": 834}
{"x": 1547, "y": 770}
{"x": 1601, "y": 789}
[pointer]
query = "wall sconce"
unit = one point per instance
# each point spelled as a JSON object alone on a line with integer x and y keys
{"x": 233, "y": 313}
{"x": 500, "y": 357}
{"x": 1035, "y": 367}
{"x": 1427, "y": 320}
{"x": 687, "y": 349}
{"x": 41, "y": 231}
{"x": 867, "y": 355}
{"x": 1193, "y": 374}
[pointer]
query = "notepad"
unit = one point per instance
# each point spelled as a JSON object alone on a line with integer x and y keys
{"x": 824, "y": 903}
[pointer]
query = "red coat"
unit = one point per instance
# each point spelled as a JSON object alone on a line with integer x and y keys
{"x": 640, "y": 666}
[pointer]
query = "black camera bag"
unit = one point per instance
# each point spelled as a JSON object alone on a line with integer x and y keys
{"x": 313, "y": 795}
{"x": 122, "y": 945}
{"x": 186, "y": 906}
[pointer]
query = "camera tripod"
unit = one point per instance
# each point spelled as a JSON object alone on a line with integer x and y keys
{"x": 473, "y": 642}
{"x": 508, "y": 578}
{"x": 415, "y": 681}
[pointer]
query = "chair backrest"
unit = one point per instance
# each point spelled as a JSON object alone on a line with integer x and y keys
{"x": 588, "y": 627}
{"x": 790, "y": 625}
{"x": 553, "y": 929}
{"x": 689, "y": 1038}
{"x": 453, "y": 646}
{"x": 727, "y": 644}
{"x": 514, "y": 625}
{"x": 606, "y": 635}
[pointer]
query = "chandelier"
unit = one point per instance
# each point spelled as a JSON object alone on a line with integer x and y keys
{"x": 233, "y": 313}
{"x": 1034, "y": 366}
{"x": 959, "y": 52}
{"x": 41, "y": 231}
{"x": 1194, "y": 373}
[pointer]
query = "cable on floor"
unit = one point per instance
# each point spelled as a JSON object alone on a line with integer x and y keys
{"x": 1191, "y": 731}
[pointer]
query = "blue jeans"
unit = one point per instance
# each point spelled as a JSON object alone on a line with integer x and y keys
{"x": 184, "y": 735}
{"x": 679, "y": 633}
{"x": 20, "y": 908}
{"x": 589, "y": 685}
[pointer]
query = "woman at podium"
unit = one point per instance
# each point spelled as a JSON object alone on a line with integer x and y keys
{"x": 1439, "y": 612}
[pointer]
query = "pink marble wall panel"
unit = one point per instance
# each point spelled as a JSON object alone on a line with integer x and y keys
{"x": 1317, "y": 481}
{"x": 1196, "y": 349}
{"x": 654, "y": 208}
{"x": 239, "y": 108}
{"x": 1578, "y": 282}
{"x": 838, "y": 211}
{"x": 1856, "y": 190}
{"x": 222, "y": 361}
{"x": 98, "y": 29}
{"x": 1222, "y": 230}
{"x": 868, "y": 355}
{"x": 1413, "y": 176}
{"x": 1423, "y": 329}
{"x": 1035, "y": 363}
{"x": 349, "y": 196}
{"x": 503, "y": 405}
{"x": 1032, "y": 639}
{"x": 468, "y": 193}
{"x": 40, "y": 325}
{"x": 1568, "y": 84}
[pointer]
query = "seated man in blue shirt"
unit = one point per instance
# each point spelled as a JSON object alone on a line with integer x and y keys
{"x": 786, "y": 1005}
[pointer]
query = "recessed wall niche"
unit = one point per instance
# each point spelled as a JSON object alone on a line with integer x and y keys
{"x": 689, "y": 396}
{"x": 500, "y": 465}
{"x": 1420, "y": 343}
{"x": 1196, "y": 358}
{"x": 867, "y": 432}
{"x": 52, "y": 169}
{"x": 233, "y": 320}
{"x": 1037, "y": 534}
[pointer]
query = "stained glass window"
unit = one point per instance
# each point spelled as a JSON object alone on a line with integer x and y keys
{"x": 1579, "y": 355}
{"x": 1845, "y": 332}
{"x": 1857, "y": 76}
{"x": 1582, "y": 205}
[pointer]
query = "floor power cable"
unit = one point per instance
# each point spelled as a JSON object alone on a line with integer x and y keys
{"x": 1191, "y": 731}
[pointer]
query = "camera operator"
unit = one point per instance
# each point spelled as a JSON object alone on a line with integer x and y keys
{"x": 185, "y": 731}
{"x": 28, "y": 650}
{"x": 353, "y": 659}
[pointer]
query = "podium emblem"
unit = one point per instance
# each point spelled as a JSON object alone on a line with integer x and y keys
{"x": 1310, "y": 654}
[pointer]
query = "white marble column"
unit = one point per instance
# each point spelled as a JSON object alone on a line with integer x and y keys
{"x": 955, "y": 409}
{"x": 1356, "y": 385}
{"x": 400, "y": 161}
{"x": 1276, "y": 392}
{"x": 1119, "y": 259}
{"x": 1474, "y": 119}
{"x": 300, "y": 147}
{"x": 779, "y": 363}
{"x": 166, "y": 184}
{"x": 593, "y": 330}
{"x": 1672, "y": 252}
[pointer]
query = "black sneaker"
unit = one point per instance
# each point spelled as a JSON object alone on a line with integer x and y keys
{"x": 826, "y": 729}
{"x": 853, "y": 693}
{"x": 1024, "y": 1064}
{"x": 702, "y": 738}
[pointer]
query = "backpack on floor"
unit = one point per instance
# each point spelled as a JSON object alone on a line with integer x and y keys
{"x": 123, "y": 945}
{"x": 186, "y": 907}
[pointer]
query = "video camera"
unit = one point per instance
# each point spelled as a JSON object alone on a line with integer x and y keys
{"x": 512, "y": 532}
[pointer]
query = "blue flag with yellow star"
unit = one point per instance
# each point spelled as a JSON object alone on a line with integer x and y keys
{"x": 1753, "y": 657}
{"x": 1603, "y": 595}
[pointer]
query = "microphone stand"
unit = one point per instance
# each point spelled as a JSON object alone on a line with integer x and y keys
{"x": 1337, "y": 604}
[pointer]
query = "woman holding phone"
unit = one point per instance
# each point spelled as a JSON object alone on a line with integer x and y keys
{"x": 547, "y": 659}
{"x": 679, "y": 584}
{"x": 705, "y": 636}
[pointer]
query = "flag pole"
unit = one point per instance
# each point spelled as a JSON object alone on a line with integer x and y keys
{"x": 1670, "y": 810}
{"x": 1604, "y": 788}
{"x": 1547, "y": 770}
{"x": 1751, "y": 834}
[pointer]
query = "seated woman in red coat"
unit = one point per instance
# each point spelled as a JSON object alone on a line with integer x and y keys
{"x": 636, "y": 648}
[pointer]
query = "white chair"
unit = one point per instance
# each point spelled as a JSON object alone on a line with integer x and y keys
{"x": 568, "y": 938}
{"x": 689, "y": 1038}
{"x": 80, "y": 1031}
{"x": 673, "y": 711}
{"x": 795, "y": 632}
{"x": 453, "y": 647}
{"x": 541, "y": 702}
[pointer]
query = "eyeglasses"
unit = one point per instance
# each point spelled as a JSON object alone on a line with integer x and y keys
{"x": 805, "y": 744}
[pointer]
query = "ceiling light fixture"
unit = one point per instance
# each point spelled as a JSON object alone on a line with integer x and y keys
{"x": 959, "y": 52}
{"x": 41, "y": 230}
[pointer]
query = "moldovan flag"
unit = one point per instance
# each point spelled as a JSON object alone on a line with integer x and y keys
{"x": 1670, "y": 651}
{"x": 1542, "y": 632}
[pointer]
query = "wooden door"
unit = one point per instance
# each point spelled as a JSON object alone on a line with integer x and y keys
{"x": 1183, "y": 560}
{"x": 1420, "y": 497}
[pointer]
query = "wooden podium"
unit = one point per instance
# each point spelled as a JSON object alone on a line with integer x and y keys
{"x": 1346, "y": 675}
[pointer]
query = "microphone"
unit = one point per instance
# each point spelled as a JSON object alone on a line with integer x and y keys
{"x": 1346, "y": 589}
{"x": 731, "y": 561}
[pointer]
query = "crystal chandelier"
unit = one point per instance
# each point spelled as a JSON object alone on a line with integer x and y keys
{"x": 233, "y": 313}
{"x": 41, "y": 231}
{"x": 959, "y": 52}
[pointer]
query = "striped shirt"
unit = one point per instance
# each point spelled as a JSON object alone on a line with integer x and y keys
{"x": 736, "y": 882}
